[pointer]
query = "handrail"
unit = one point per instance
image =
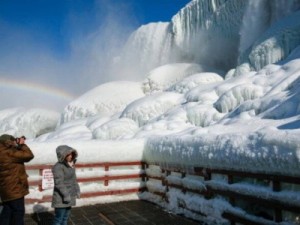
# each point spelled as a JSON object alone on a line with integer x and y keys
{"x": 105, "y": 178}
{"x": 92, "y": 165}
{"x": 278, "y": 205}
{"x": 282, "y": 178}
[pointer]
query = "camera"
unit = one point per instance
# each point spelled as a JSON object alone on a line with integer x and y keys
{"x": 18, "y": 139}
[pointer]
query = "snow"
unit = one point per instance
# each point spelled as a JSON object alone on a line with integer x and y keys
{"x": 28, "y": 122}
{"x": 116, "y": 129}
{"x": 187, "y": 112}
{"x": 276, "y": 43}
{"x": 102, "y": 101}
{"x": 246, "y": 123}
{"x": 218, "y": 33}
{"x": 90, "y": 151}
{"x": 186, "y": 84}
{"x": 172, "y": 74}
{"x": 151, "y": 106}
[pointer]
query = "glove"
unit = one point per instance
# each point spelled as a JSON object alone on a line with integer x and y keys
{"x": 67, "y": 199}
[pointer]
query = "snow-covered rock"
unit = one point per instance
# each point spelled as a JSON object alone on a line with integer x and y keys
{"x": 104, "y": 100}
{"x": 165, "y": 76}
{"x": 151, "y": 106}
{"x": 28, "y": 122}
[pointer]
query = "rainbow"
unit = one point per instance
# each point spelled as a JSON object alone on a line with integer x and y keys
{"x": 36, "y": 87}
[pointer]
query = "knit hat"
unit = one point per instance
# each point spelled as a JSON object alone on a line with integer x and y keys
{"x": 6, "y": 137}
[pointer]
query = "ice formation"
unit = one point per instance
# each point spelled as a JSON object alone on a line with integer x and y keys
{"x": 218, "y": 33}
{"x": 29, "y": 122}
{"x": 102, "y": 101}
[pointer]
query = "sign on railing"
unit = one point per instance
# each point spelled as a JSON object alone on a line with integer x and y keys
{"x": 47, "y": 179}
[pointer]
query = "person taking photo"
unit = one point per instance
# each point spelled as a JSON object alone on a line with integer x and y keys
{"x": 13, "y": 178}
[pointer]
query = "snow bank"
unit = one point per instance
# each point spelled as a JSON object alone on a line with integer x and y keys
{"x": 268, "y": 150}
{"x": 28, "y": 122}
{"x": 104, "y": 100}
{"x": 163, "y": 77}
{"x": 151, "y": 106}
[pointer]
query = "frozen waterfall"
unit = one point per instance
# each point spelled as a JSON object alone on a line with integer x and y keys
{"x": 217, "y": 33}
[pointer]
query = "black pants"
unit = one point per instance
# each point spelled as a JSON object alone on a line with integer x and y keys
{"x": 13, "y": 212}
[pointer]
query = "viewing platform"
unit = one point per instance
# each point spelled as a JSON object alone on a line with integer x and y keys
{"x": 120, "y": 213}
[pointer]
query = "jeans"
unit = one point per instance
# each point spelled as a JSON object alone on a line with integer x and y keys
{"x": 13, "y": 212}
{"x": 61, "y": 216}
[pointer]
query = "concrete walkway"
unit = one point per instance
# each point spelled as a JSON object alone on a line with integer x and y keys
{"x": 124, "y": 213}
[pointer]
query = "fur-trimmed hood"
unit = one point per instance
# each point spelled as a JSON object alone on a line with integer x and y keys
{"x": 63, "y": 150}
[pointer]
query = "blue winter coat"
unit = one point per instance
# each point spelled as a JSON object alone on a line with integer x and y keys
{"x": 66, "y": 188}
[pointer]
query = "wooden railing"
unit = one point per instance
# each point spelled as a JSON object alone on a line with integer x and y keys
{"x": 209, "y": 189}
{"x": 91, "y": 179}
{"x": 229, "y": 191}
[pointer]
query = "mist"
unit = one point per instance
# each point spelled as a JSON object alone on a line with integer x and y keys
{"x": 91, "y": 39}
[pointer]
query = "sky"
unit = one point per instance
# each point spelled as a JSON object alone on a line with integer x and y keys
{"x": 55, "y": 45}
{"x": 49, "y": 21}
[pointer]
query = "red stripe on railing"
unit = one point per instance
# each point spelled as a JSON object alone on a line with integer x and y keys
{"x": 119, "y": 177}
{"x": 90, "y": 165}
